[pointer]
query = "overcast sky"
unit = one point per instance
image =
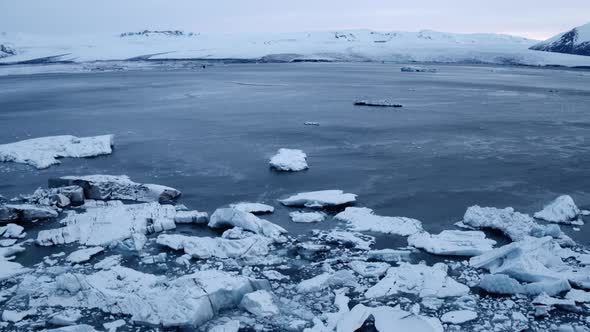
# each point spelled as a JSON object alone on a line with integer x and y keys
{"x": 530, "y": 18}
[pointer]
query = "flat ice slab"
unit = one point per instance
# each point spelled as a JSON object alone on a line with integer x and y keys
{"x": 458, "y": 316}
{"x": 307, "y": 217}
{"x": 452, "y": 243}
{"x": 289, "y": 160}
{"x": 43, "y": 152}
{"x": 562, "y": 210}
{"x": 419, "y": 279}
{"x": 205, "y": 247}
{"x": 117, "y": 187}
{"x": 377, "y": 103}
{"x": 253, "y": 207}
{"x": 83, "y": 255}
{"x": 319, "y": 199}
{"x": 231, "y": 217}
{"x": 364, "y": 219}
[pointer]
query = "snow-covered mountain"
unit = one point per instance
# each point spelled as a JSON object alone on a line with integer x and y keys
{"x": 357, "y": 45}
{"x": 575, "y": 41}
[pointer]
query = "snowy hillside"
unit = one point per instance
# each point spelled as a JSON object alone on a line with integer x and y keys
{"x": 357, "y": 45}
{"x": 575, "y": 41}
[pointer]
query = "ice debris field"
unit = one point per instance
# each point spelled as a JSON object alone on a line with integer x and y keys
{"x": 117, "y": 260}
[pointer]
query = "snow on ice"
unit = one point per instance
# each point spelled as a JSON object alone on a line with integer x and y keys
{"x": 452, "y": 243}
{"x": 562, "y": 210}
{"x": 319, "y": 199}
{"x": 289, "y": 160}
{"x": 307, "y": 217}
{"x": 365, "y": 220}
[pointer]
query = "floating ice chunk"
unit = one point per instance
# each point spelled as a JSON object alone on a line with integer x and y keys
{"x": 319, "y": 199}
{"x": 205, "y": 247}
{"x": 514, "y": 224}
{"x": 419, "y": 279}
{"x": 105, "y": 222}
{"x": 191, "y": 217}
{"x": 363, "y": 219}
{"x": 114, "y": 325}
{"x": 60, "y": 197}
{"x": 117, "y": 187}
{"x": 389, "y": 255}
{"x": 452, "y": 243}
{"x": 562, "y": 210}
{"x": 16, "y": 316}
{"x": 327, "y": 279}
{"x": 377, "y": 103}
{"x": 418, "y": 70}
{"x": 11, "y": 231}
{"x": 458, "y": 316}
{"x": 395, "y": 319}
{"x": 311, "y": 123}
{"x": 10, "y": 269}
{"x": 503, "y": 284}
{"x": 7, "y": 242}
{"x": 231, "y": 326}
{"x": 25, "y": 212}
{"x": 289, "y": 160}
{"x": 108, "y": 262}
{"x": 188, "y": 300}
{"x": 307, "y": 217}
{"x": 529, "y": 260}
{"x": 253, "y": 207}
{"x": 578, "y": 295}
{"x": 73, "y": 328}
{"x": 369, "y": 269}
{"x": 260, "y": 303}
{"x": 545, "y": 303}
{"x": 43, "y": 152}
{"x": 274, "y": 275}
{"x": 83, "y": 255}
{"x": 353, "y": 239}
{"x": 66, "y": 317}
{"x": 230, "y": 217}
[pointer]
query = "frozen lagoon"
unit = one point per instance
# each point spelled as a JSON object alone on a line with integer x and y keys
{"x": 493, "y": 136}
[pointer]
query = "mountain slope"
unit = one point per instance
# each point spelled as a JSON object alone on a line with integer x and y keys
{"x": 575, "y": 41}
{"x": 349, "y": 46}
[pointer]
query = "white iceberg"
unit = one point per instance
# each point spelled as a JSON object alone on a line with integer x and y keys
{"x": 364, "y": 219}
{"x": 11, "y": 231}
{"x": 319, "y": 199}
{"x": 103, "y": 223}
{"x": 66, "y": 317}
{"x": 16, "y": 316}
{"x": 562, "y": 210}
{"x": 505, "y": 285}
{"x": 191, "y": 217}
{"x": 73, "y": 328}
{"x": 389, "y": 255}
{"x": 452, "y": 243}
{"x": 307, "y": 217}
{"x": 578, "y": 295}
{"x": 117, "y": 187}
{"x": 83, "y": 255}
{"x": 352, "y": 239}
{"x": 418, "y": 279}
{"x": 260, "y": 303}
{"x": 253, "y": 207}
{"x": 230, "y": 217}
{"x": 231, "y": 326}
{"x": 369, "y": 269}
{"x": 254, "y": 246}
{"x": 43, "y": 152}
{"x": 327, "y": 279}
{"x": 289, "y": 160}
{"x": 189, "y": 300}
{"x": 514, "y": 224}
{"x": 458, "y": 316}
{"x": 10, "y": 269}
{"x": 26, "y": 213}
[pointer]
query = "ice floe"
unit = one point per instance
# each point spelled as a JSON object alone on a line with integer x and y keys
{"x": 65, "y": 317}
{"x": 12, "y": 231}
{"x": 419, "y": 279}
{"x": 231, "y": 326}
{"x": 562, "y": 210}
{"x": 364, "y": 219}
{"x": 253, "y": 207}
{"x": 458, "y": 316}
{"x": 377, "y": 103}
{"x": 452, "y": 243}
{"x": 307, "y": 217}
{"x": 43, "y": 152}
{"x": 327, "y": 279}
{"x": 291, "y": 160}
{"x": 231, "y": 217}
{"x": 83, "y": 255}
{"x": 26, "y": 213}
{"x": 319, "y": 199}
{"x": 514, "y": 224}
{"x": 10, "y": 269}
{"x": 418, "y": 70}
{"x": 187, "y": 300}
{"x": 73, "y": 328}
{"x": 369, "y": 269}
{"x": 260, "y": 303}
{"x": 103, "y": 223}
{"x": 117, "y": 187}
{"x": 254, "y": 246}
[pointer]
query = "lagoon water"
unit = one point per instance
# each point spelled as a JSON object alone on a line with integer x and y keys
{"x": 493, "y": 136}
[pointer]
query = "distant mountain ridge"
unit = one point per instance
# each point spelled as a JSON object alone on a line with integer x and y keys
{"x": 575, "y": 41}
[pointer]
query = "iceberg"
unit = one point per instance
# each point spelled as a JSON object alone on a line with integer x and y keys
{"x": 73, "y": 328}
{"x": 254, "y": 246}
{"x": 83, "y": 255}
{"x": 26, "y": 213}
{"x": 117, "y": 187}
{"x": 505, "y": 285}
{"x": 43, "y": 152}
{"x": 12, "y": 231}
{"x": 452, "y": 243}
{"x": 307, "y": 217}
{"x": 260, "y": 303}
{"x": 327, "y": 279}
{"x": 418, "y": 279}
{"x": 231, "y": 217}
{"x": 289, "y": 160}
{"x": 10, "y": 269}
{"x": 365, "y": 220}
{"x": 255, "y": 208}
{"x": 562, "y": 210}
{"x": 458, "y": 316}
{"x": 319, "y": 199}
{"x": 189, "y": 300}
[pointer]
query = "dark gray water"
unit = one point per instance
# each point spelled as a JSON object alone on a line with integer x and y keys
{"x": 493, "y": 136}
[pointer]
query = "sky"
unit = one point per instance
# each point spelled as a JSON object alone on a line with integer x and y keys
{"x": 537, "y": 19}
